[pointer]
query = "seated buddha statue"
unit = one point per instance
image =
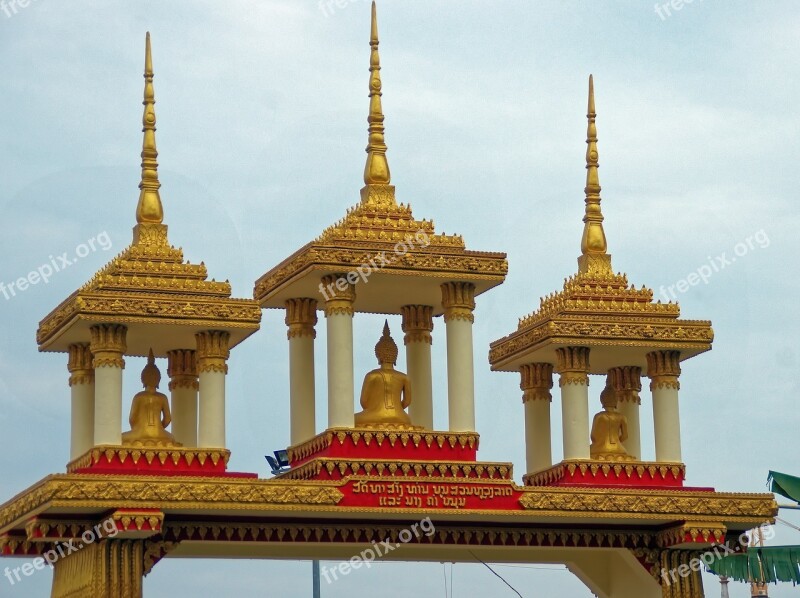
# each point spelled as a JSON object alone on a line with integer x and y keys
{"x": 386, "y": 392}
{"x": 150, "y": 413}
{"x": 609, "y": 430}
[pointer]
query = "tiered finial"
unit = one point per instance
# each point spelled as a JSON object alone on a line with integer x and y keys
{"x": 149, "y": 210}
{"x": 593, "y": 242}
{"x": 376, "y": 171}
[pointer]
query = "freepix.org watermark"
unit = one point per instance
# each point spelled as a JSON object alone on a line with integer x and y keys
{"x": 758, "y": 240}
{"x": 664, "y": 10}
{"x": 106, "y": 529}
{"x": 329, "y": 7}
{"x": 378, "y": 261}
{"x": 378, "y": 550}
{"x": 708, "y": 558}
{"x": 43, "y": 273}
{"x": 12, "y": 7}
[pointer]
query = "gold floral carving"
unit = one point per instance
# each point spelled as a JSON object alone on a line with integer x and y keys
{"x": 212, "y": 351}
{"x": 353, "y": 436}
{"x": 367, "y": 532}
{"x": 108, "y": 345}
{"x": 598, "y": 330}
{"x": 573, "y": 366}
{"x": 680, "y": 504}
{"x": 367, "y": 467}
{"x": 434, "y": 262}
{"x": 663, "y": 369}
{"x": 632, "y": 469}
{"x": 182, "y": 369}
{"x": 536, "y": 382}
{"x": 80, "y": 365}
{"x": 301, "y": 317}
{"x": 695, "y": 532}
{"x": 341, "y": 293}
{"x": 101, "y": 491}
{"x": 154, "y": 551}
{"x": 458, "y": 301}
{"x": 107, "y": 454}
{"x": 627, "y": 381}
{"x": 417, "y": 323}
{"x": 105, "y": 568}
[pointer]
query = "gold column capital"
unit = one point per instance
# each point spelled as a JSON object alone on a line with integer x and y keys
{"x": 212, "y": 351}
{"x": 301, "y": 317}
{"x": 341, "y": 295}
{"x": 573, "y": 365}
{"x": 417, "y": 323}
{"x": 182, "y": 369}
{"x": 108, "y": 345}
{"x": 80, "y": 364}
{"x": 458, "y": 300}
{"x": 536, "y": 380}
{"x": 627, "y": 382}
{"x": 664, "y": 369}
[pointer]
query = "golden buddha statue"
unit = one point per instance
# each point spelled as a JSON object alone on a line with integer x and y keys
{"x": 609, "y": 430}
{"x": 150, "y": 413}
{"x": 386, "y": 392}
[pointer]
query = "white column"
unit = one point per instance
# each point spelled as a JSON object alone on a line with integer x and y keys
{"x": 627, "y": 381}
{"x": 537, "y": 380}
{"x": 183, "y": 386}
{"x": 107, "y": 347}
{"x": 340, "y": 296}
{"x": 212, "y": 367}
{"x": 458, "y": 300}
{"x": 418, "y": 325}
{"x": 663, "y": 369}
{"x": 573, "y": 367}
{"x": 81, "y": 382}
{"x": 301, "y": 317}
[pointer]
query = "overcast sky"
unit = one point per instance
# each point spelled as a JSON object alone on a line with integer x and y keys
{"x": 261, "y": 129}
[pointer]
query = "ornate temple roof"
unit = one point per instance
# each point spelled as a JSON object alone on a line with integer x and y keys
{"x": 149, "y": 286}
{"x": 404, "y": 259}
{"x": 598, "y": 308}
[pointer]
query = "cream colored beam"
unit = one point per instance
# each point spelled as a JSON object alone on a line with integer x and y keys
{"x": 663, "y": 369}
{"x": 418, "y": 325}
{"x": 458, "y": 301}
{"x": 212, "y": 367}
{"x": 301, "y": 317}
{"x": 573, "y": 367}
{"x": 81, "y": 383}
{"x": 536, "y": 382}
{"x": 339, "y": 318}
{"x": 627, "y": 382}
{"x": 183, "y": 386}
{"x": 108, "y": 347}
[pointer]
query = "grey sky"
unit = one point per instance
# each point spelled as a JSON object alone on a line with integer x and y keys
{"x": 261, "y": 129}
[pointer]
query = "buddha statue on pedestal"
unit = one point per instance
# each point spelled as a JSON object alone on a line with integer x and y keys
{"x": 386, "y": 392}
{"x": 609, "y": 430}
{"x": 150, "y": 413}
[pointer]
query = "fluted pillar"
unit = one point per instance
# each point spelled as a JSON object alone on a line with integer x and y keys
{"x": 301, "y": 317}
{"x": 212, "y": 367}
{"x": 627, "y": 381}
{"x": 418, "y": 325}
{"x": 536, "y": 382}
{"x": 183, "y": 386}
{"x": 573, "y": 369}
{"x": 458, "y": 301}
{"x": 663, "y": 369}
{"x": 81, "y": 384}
{"x": 108, "y": 346}
{"x": 339, "y": 319}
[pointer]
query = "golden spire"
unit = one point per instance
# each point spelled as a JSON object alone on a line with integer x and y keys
{"x": 594, "y": 257}
{"x": 376, "y": 171}
{"x": 149, "y": 210}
